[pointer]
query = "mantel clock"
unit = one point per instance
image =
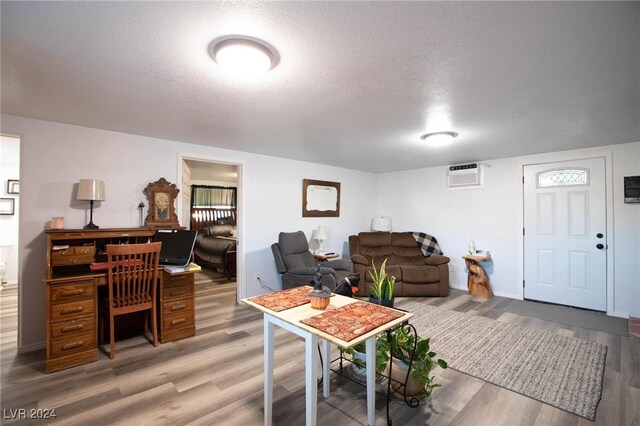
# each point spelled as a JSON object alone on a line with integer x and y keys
{"x": 162, "y": 212}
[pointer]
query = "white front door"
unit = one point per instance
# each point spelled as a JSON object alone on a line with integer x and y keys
{"x": 565, "y": 244}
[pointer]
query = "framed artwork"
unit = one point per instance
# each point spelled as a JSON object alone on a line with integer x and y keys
{"x": 320, "y": 198}
{"x": 13, "y": 186}
{"x": 162, "y": 211}
{"x": 7, "y": 206}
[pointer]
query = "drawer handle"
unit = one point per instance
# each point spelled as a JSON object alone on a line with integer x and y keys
{"x": 63, "y": 252}
{"x": 72, "y": 328}
{"x": 84, "y": 251}
{"x": 178, "y": 307}
{"x": 178, "y": 292}
{"x": 70, "y": 293}
{"x": 74, "y": 260}
{"x": 178, "y": 321}
{"x": 72, "y": 310}
{"x": 72, "y": 345}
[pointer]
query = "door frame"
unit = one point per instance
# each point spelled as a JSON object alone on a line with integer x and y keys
{"x": 608, "y": 173}
{"x": 241, "y": 286}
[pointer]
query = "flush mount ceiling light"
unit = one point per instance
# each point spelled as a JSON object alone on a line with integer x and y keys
{"x": 438, "y": 138}
{"x": 243, "y": 54}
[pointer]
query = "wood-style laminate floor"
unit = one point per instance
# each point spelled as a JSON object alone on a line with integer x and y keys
{"x": 215, "y": 378}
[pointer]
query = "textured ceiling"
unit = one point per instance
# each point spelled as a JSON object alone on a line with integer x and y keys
{"x": 357, "y": 82}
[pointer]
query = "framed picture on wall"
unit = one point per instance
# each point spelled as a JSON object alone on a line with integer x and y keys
{"x": 7, "y": 206}
{"x": 320, "y": 198}
{"x": 13, "y": 186}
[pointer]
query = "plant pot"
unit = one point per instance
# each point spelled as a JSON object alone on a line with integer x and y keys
{"x": 360, "y": 372}
{"x": 399, "y": 372}
{"x": 384, "y": 302}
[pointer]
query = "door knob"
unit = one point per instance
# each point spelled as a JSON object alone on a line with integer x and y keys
{"x": 599, "y": 235}
{"x": 599, "y": 246}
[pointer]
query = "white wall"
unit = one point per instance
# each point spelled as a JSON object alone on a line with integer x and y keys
{"x": 55, "y": 156}
{"x": 10, "y": 169}
{"x": 418, "y": 200}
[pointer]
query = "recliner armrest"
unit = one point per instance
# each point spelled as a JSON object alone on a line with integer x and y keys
{"x": 311, "y": 270}
{"x": 338, "y": 264}
{"x": 360, "y": 259}
{"x": 436, "y": 260}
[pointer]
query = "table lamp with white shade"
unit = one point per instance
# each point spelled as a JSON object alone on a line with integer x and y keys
{"x": 91, "y": 190}
{"x": 381, "y": 223}
{"x": 321, "y": 236}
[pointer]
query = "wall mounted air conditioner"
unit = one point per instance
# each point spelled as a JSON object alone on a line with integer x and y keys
{"x": 462, "y": 175}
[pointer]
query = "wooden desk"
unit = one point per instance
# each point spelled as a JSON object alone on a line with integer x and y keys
{"x": 72, "y": 294}
{"x": 477, "y": 280}
{"x": 290, "y": 320}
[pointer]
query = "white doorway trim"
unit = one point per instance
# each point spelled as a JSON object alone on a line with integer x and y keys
{"x": 241, "y": 279}
{"x": 560, "y": 156}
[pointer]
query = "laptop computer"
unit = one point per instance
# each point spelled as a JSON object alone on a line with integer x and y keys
{"x": 177, "y": 246}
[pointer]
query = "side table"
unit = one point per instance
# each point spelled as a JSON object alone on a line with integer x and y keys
{"x": 325, "y": 257}
{"x": 477, "y": 281}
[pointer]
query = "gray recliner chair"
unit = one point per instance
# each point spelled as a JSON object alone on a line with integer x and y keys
{"x": 298, "y": 266}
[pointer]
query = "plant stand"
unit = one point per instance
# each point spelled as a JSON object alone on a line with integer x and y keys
{"x": 339, "y": 364}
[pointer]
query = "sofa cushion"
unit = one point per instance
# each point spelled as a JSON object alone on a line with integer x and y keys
{"x": 295, "y": 250}
{"x": 419, "y": 274}
{"x": 220, "y": 230}
{"x": 375, "y": 245}
{"x": 405, "y": 250}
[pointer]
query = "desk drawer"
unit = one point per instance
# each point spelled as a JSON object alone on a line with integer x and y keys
{"x": 72, "y": 260}
{"x": 72, "y": 310}
{"x": 177, "y": 292}
{"x": 82, "y": 290}
{"x": 72, "y": 255}
{"x": 79, "y": 343}
{"x": 177, "y": 320}
{"x": 170, "y": 280}
{"x": 172, "y": 307}
{"x": 67, "y": 329}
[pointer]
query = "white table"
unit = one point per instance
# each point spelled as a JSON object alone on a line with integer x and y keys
{"x": 290, "y": 320}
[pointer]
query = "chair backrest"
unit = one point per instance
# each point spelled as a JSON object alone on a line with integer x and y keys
{"x": 133, "y": 275}
{"x": 294, "y": 249}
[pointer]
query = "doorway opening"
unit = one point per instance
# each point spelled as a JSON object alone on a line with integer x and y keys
{"x": 210, "y": 205}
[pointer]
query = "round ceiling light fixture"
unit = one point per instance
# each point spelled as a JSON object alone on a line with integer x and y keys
{"x": 243, "y": 54}
{"x": 439, "y": 138}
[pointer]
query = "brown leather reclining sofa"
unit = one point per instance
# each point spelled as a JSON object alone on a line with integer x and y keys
{"x": 416, "y": 275}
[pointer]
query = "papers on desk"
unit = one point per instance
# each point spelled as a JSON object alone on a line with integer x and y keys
{"x": 60, "y": 247}
{"x": 192, "y": 267}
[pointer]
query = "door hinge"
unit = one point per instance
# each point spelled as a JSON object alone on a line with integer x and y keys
{"x": 522, "y": 179}
{"x": 523, "y": 285}
{"x": 522, "y": 231}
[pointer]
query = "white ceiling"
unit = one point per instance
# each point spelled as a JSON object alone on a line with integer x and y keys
{"x": 357, "y": 82}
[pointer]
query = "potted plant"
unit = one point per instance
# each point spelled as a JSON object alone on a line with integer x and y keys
{"x": 382, "y": 288}
{"x": 358, "y": 356}
{"x": 413, "y": 362}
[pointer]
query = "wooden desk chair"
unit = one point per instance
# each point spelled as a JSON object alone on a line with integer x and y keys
{"x": 133, "y": 281}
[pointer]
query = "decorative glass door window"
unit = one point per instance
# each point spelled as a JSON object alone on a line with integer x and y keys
{"x": 563, "y": 177}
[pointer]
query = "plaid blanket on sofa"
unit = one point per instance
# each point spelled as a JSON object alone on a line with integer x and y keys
{"x": 427, "y": 243}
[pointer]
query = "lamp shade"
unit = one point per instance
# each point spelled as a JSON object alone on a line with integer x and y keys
{"x": 381, "y": 223}
{"x": 91, "y": 190}
{"x": 322, "y": 234}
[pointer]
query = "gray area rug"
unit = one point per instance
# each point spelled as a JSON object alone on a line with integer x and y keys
{"x": 564, "y": 372}
{"x": 574, "y": 317}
